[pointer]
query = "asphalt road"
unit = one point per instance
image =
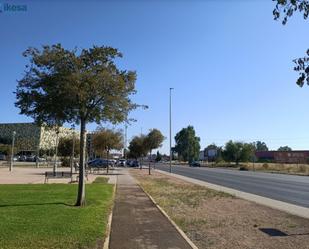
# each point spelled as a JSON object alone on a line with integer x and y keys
{"x": 288, "y": 188}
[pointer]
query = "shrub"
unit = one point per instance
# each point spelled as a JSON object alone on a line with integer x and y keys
{"x": 302, "y": 168}
{"x": 265, "y": 166}
{"x": 65, "y": 161}
{"x": 243, "y": 167}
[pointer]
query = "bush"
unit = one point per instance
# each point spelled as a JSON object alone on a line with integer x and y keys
{"x": 243, "y": 167}
{"x": 265, "y": 160}
{"x": 65, "y": 162}
{"x": 302, "y": 168}
{"x": 265, "y": 166}
{"x": 219, "y": 160}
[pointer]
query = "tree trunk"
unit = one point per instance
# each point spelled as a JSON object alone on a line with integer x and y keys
{"x": 81, "y": 180}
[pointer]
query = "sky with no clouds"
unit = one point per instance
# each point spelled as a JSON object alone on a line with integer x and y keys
{"x": 229, "y": 62}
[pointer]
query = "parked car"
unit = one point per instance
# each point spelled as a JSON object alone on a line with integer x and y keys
{"x": 135, "y": 163}
{"x": 112, "y": 162}
{"x": 121, "y": 162}
{"x": 129, "y": 163}
{"x": 22, "y": 158}
{"x": 98, "y": 163}
{"x": 31, "y": 158}
{"x": 195, "y": 164}
{"x": 2, "y": 157}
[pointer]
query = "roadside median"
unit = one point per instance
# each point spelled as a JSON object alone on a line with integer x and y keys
{"x": 214, "y": 219}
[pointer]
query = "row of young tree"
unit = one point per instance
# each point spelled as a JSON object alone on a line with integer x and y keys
{"x": 142, "y": 145}
{"x": 187, "y": 147}
{"x": 235, "y": 151}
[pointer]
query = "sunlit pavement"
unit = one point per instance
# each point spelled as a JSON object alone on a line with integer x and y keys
{"x": 25, "y": 175}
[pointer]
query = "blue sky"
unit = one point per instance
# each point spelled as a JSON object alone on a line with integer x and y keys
{"x": 229, "y": 62}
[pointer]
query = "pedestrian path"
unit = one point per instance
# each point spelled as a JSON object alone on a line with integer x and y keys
{"x": 137, "y": 223}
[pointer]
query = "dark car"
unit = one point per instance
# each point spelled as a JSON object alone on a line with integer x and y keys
{"x": 132, "y": 163}
{"x": 195, "y": 164}
{"x": 135, "y": 163}
{"x": 98, "y": 163}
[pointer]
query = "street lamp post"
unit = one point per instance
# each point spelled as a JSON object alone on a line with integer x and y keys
{"x": 12, "y": 151}
{"x": 73, "y": 152}
{"x": 125, "y": 141}
{"x": 56, "y": 151}
{"x": 171, "y": 129}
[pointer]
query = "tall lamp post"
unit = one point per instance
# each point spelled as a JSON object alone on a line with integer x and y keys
{"x": 125, "y": 141}
{"x": 171, "y": 129}
{"x": 56, "y": 151}
{"x": 12, "y": 151}
{"x": 73, "y": 151}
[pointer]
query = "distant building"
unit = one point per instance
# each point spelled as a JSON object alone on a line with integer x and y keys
{"x": 295, "y": 156}
{"x": 202, "y": 156}
{"x": 208, "y": 154}
{"x": 31, "y": 137}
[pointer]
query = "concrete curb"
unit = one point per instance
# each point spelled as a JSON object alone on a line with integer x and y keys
{"x": 185, "y": 237}
{"x": 280, "y": 205}
{"x": 110, "y": 218}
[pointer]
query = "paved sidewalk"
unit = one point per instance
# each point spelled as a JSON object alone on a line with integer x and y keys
{"x": 138, "y": 223}
{"x": 31, "y": 175}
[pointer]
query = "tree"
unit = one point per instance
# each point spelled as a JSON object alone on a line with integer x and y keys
{"x": 65, "y": 146}
{"x": 187, "y": 144}
{"x": 237, "y": 152}
{"x": 285, "y": 9}
{"x": 284, "y": 148}
{"x": 212, "y": 147}
{"x": 75, "y": 86}
{"x": 260, "y": 146}
{"x": 5, "y": 149}
{"x": 5, "y": 140}
{"x": 106, "y": 140}
{"x": 153, "y": 140}
{"x": 137, "y": 147}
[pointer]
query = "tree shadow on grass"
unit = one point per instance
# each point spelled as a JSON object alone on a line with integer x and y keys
{"x": 36, "y": 204}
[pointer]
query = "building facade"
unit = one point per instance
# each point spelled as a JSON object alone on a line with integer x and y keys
{"x": 31, "y": 137}
{"x": 208, "y": 154}
{"x": 295, "y": 156}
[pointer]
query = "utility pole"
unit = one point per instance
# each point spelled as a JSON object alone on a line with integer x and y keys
{"x": 171, "y": 129}
{"x": 12, "y": 151}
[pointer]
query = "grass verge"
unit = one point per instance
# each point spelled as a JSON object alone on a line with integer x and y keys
{"x": 216, "y": 220}
{"x": 44, "y": 216}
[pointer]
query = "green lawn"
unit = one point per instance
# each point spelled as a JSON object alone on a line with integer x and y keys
{"x": 43, "y": 216}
